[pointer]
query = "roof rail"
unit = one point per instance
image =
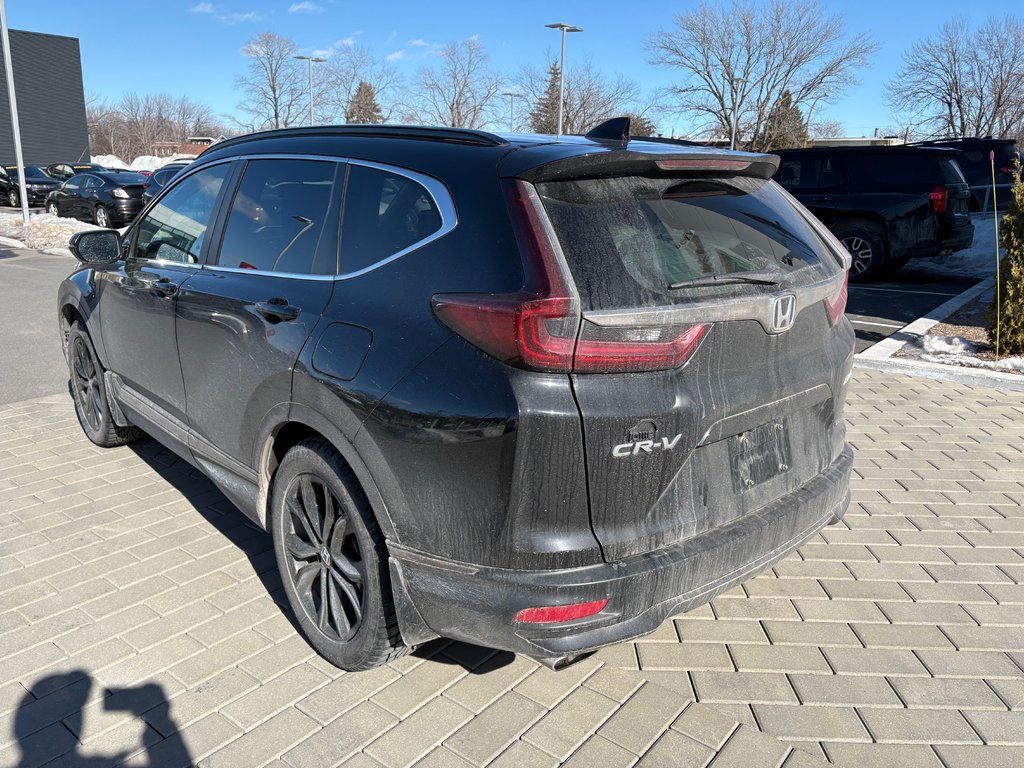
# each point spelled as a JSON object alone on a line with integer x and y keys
{"x": 427, "y": 133}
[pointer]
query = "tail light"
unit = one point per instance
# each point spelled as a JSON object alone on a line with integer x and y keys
{"x": 939, "y": 197}
{"x": 119, "y": 193}
{"x": 553, "y": 613}
{"x": 835, "y": 305}
{"x": 541, "y": 328}
{"x": 1007, "y": 170}
{"x": 145, "y": 185}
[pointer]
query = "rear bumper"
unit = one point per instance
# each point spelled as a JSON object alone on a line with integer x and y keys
{"x": 125, "y": 210}
{"x": 476, "y": 604}
{"x": 957, "y": 238}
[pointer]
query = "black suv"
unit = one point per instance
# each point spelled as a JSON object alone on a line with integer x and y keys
{"x": 37, "y": 185}
{"x": 976, "y": 163}
{"x": 532, "y": 393}
{"x": 887, "y": 205}
{"x": 160, "y": 178}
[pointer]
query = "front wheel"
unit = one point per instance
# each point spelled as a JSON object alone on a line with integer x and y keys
{"x": 333, "y": 559}
{"x": 867, "y": 251}
{"x": 101, "y": 217}
{"x": 89, "y": 390}
{"x": 51, "y": 208}
{"x": 12, "y": 198}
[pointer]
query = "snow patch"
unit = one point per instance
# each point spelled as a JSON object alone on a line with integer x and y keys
{"x": 977, "y": 261}
{"x": 44, "y": 231}
{"x": 953, "y": 350}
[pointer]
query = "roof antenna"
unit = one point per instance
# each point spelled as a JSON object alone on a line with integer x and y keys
{"x": 616, "y": 129}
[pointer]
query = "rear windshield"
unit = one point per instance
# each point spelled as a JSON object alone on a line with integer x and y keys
{"x": 126, "y": 178}
{"x": 628, "y": 240}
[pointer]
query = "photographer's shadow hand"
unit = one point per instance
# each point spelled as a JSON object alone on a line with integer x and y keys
{"x": 41, "y": 738}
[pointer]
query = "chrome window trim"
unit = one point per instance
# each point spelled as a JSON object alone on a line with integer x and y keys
{"x": 435, "y": 188}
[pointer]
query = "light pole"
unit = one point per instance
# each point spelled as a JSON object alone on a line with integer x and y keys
{"x": 810, "y": 110}
{"x": 733, "y": 82}
{"x": 561, "y": 69}
{"x": 310, "y": 59}
{"x": 22, "y": 192}
{"x": 511, "y": 108}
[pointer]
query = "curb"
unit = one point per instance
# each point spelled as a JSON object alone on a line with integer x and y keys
{"x": 879, "y": 357}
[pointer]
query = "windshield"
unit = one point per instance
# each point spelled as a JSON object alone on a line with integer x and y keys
{"x": 638, "y": 241}
{"x": 126, "y": 177}
{"x": 30, "y": 170}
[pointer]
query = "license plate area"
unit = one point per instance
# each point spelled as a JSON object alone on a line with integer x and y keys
{"x": 758, "y": 455}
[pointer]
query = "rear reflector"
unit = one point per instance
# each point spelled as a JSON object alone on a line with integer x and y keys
{"x": 556, "y": 613}
{"x": 537, "y": 328}
{"x": 939, "y": 197}
{"x": 709, "y": 164}
{"x": 835, "y": 305}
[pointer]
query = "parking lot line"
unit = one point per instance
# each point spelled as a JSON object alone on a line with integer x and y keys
{"x": 901, "y": 290}
{"x": 880, "y": 325}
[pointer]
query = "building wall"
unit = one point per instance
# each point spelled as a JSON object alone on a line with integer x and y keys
{"x": 51, "y": 100}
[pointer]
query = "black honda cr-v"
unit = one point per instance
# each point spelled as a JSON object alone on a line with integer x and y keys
{"x": 532, "y": 393}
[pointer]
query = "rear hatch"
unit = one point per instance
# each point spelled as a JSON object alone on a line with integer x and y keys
{"x": 717, "y": 297}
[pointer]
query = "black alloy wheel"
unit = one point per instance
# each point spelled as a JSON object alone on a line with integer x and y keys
{"x": 89, "y": 391}
{"x": 86, "y": 384}
{"x": 326, "y": 562}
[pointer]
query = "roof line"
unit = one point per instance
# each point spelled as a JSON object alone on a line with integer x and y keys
{"x": 454, "y": 135}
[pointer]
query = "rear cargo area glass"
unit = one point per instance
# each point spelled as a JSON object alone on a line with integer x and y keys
{"x": 628, "y": 239}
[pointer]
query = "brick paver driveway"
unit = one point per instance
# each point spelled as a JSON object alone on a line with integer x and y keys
{"x": 140, "y": 623}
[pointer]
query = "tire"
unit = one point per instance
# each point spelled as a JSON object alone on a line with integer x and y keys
{"x": 867, "y": 248}
{"x": 101, "y": 218}
{"x": 51, "y": 208}
{"x": 12, "y": 198}
{"x": 89, "y": 391}
{"x": 338, "y": 585}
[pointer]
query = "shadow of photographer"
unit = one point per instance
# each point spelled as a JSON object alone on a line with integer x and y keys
{"x": 67, "y": 696}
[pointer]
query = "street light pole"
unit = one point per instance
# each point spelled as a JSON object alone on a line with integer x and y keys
{"x": 310, "y": 59}
{"x": 561, "y": 69}
{"x": 732, "y": 91}
{"x": 22, "y": 192}
{"x": 511, "y": 108}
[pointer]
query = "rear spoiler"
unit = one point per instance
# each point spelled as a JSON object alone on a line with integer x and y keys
{"x": 609, "y": 150}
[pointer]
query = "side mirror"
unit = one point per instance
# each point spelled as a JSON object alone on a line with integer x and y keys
{"x": 96, "y": 246}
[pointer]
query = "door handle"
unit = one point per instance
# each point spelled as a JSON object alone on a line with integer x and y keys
{"x": 164, "y": 286}
{"x": 277, "y": 310}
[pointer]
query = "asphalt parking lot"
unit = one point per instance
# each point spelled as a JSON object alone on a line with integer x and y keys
{"x": 880, "y": 309}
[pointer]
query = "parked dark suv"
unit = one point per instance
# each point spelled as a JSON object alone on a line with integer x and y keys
{"x": 887, "y": 205}
{"x": 977, "y": 164}
{"x": 532, "y": 393}
{"x": 37, "y": 184}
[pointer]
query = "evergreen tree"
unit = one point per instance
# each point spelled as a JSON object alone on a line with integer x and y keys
{"x": 1010, "y": 318}
{"x": 785, "y": 127}
{"x": 544, "y": 115}
{"x": 364, "y": 109}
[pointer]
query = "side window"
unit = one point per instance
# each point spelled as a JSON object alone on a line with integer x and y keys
{"x": 277, "y": 217}
{"x": 384, "y": 213}
{"x": 91, "y": 182}
{"x": 175, "y": 227}
{"x": 73, "y": 184}
{"x": 789, "y": 175}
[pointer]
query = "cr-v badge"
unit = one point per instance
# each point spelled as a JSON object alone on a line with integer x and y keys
{"x": 645, "y": 446}
{"x": 783, "y": 313}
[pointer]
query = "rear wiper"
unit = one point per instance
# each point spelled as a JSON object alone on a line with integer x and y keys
{"x": 766, "y": 277}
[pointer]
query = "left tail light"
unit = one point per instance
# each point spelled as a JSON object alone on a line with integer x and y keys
{"x": 835, "y": 305}
{"x": 542, "y": 328}
{"x": 119, "y": 192}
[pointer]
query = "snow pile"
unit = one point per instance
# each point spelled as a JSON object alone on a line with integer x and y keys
{"x": 953, "y": 350}
{"x": 108, "y": 161}
{"x": 44, "y": 232}
{"x": 977, "y": 261}
{"x": 147, "y": 163}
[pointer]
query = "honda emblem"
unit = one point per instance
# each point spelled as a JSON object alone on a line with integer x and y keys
{"x": 783, "y": 313}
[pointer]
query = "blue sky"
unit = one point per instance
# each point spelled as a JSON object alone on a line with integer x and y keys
{"x": 194, "y": 47}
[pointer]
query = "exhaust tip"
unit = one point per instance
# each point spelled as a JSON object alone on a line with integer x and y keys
{"x": 558, "y": 663}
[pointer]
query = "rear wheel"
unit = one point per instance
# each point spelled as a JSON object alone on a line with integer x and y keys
{"x": 333, "y": 559}
{"x": 51, "y": 208}
{"x": 101, "y": 217}
{"x": 867, "y": 251}
{"x": 89, "y": 390}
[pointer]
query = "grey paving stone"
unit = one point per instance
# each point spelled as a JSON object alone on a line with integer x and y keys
{"x": 523, "y": 755}
{"x": 264, "y": 742}
{"x": 779, "y": 658}
{"x": 745, "y": 687}
{"x": 969, "y": 664}
{"x": 800, "y": 723}
{"x": 845, "y": 690}
{"x": 948, "y": 693}
{"x": 413, "y": 737}
{"x": 958, "y": 756}
{"x": 674, "y": 749}
{"x": 874, "y": 661}
{"x": 569, "y": 724}
{"x": 638, "y": 723}
{"x": 488, "y": 734}
{"x": 918, "y": 726}
{"x": 342, "y": 738}
{"x": 747, "y": 748}
{"x": 599, "y": 751}
{"x": 270, "y": 698}
{"x": 883, "y": 755}
{"x": 684, "y": 656}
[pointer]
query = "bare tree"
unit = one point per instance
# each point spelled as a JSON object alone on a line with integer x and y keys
{"x": 964, "y": 82}
{"x": 138, "y": 123}
{"x": 460, "y": 90}
{"x": 590, "y": 96}
{"x": 275, "y": 87}
{"x": 344, "y": 71}
{"x": 736, "y": 59}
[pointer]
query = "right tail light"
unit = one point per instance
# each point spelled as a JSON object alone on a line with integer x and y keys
{"x": 835, "y": 305}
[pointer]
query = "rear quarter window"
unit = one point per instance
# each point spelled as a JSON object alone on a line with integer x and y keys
{"x": 879, "y": 171}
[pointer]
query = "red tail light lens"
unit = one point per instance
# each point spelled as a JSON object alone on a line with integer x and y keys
{"x": 1007, "y": 170}
{"x": 537, "y": 329}
{"x": 939, "y": 197}
{"x": 555, "y": 613}
{"x": 835, "y": 305}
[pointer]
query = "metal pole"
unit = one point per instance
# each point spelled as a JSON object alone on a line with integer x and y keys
{"x": 22, "y": 193}
{"x": 310, "y": 62}
{"x": 511, "y": 111}
{"x": 561, "y": 84}
{"x": 732, "y": 136}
